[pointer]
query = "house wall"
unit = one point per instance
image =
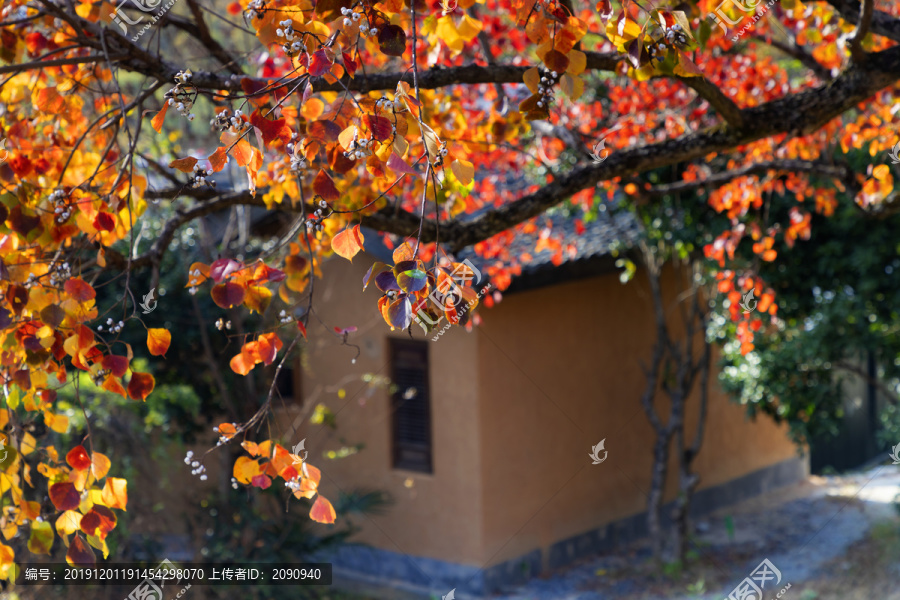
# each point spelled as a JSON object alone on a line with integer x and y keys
{"x": 438, "y": 515}
{"x": 560, "y": 371}
{"x": 516, "y": 406}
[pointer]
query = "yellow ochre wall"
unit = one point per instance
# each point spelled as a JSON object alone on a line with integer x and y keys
{"x": 516, "y": 406}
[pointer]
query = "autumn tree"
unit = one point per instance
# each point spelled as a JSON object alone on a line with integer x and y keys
{"x": 341, "y": 113}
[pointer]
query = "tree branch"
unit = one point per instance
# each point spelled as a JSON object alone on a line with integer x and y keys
{"x": 882, "y": 23}
{"x": 862, "y": 29}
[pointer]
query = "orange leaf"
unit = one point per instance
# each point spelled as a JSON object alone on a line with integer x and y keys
{"x": 99, "y": 465}
{"x": 140, "y": 386}
{"x": 79, "y": 289}
{"x": 348, "y": 242}
{"x": 244, "y": 362}
{"x": 49, "y": 100}
{"x": 322, "y": 511}
{"x": 158, "y": 341}
{"x": 324, "y": 186}
{"x": 185, "y": 165}
{"x": 157, "y": 121}
{"x": 115, "y": 493}
{"x": 218, "y": 159}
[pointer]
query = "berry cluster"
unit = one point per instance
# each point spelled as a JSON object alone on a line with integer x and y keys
{"x": 359, "y": 148}
{"x": 235, "y": 122}
{"x": 223, "y": 323}
{"x": 293, "y": 484}
{"x": 62, "y": 210}
{"x": 351, "y": 17}
{"x": 112, "y": 326}
{"x": 183, "y": 94}
{"x": 199, "y": 178}
{"x": 298, "y": 161}
{"x": 195, "y": 274}
{"x": 283, "y": 317}
{"x": 545, "y": 89}
{"x": 101, "y": 376}
{"x": 292, "y": 47}
{"x": 59, "y": 273}
{"x": 385, "y": 102}
{"x": 198, "y": 469}
{"x": 675, "y": 36}
{"x": 315, "y": 222}
{"x": 257, "y": 8}
{"x": 234, "y": 483}
{"x": 31, "y": 281}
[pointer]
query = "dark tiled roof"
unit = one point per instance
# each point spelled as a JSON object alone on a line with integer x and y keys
{"x": 592, "y": 247}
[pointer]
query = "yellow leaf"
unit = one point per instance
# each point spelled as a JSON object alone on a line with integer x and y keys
{"x": 68, "y": 523}
{"x": 58, "y": 423}
{"x": 464, "y": 170}
{"x": 577, "y": 62}
{"x": 468, "y": 28}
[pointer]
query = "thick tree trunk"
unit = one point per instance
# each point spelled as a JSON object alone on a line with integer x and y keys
{"x": 655, "y": 499}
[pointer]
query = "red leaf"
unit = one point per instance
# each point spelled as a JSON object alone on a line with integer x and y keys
{"x": 271, "y": 130}
{"x": 397, "y": 164}
{"x": 222, "y": 268}
{"x": 80, "y": 290}
{"x": 302, "y": 329}
{"x": 320, "y": 63}
{"x": 228, "y": 295}
{"x": 324, "y": 186}
{"x": 380, "y": 127}
{"x": 78, "y": 459}
{"x": 104, "y": 221}
{"x": 261, "y": 481}
{"x": 350, "y": 65}
{"x": 80, "y": 554}
{"x": 117, "y": 365}
{"x": 323, "y": 131}
{"x": 392, "y": 40}
{"x": 141, "y": 385}
{"x": 64, "y": 495}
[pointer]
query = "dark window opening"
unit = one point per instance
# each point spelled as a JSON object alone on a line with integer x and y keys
{"x": 411, "y": 405}
{"x": 285, "y": 384}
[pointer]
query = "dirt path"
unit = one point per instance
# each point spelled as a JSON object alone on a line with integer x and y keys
{"x": 831, "y": 538}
